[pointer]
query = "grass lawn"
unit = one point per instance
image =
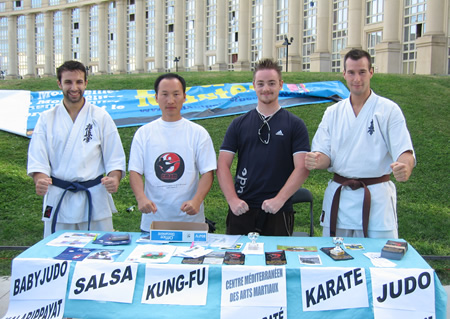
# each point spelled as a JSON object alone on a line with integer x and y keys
{"x": 423, "y": 201}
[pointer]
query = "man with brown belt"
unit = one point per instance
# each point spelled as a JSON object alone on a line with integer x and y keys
{"x": 361, "y": 139}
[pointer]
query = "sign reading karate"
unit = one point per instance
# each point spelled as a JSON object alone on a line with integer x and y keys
{"x": 254, "y": 292}
{"x": 403, "y": 293}
{"x": 175, "y": 284}
{"x": 333, "y": 288}
{"x": 105, "y": 282}
{"x": 38, "y": 288}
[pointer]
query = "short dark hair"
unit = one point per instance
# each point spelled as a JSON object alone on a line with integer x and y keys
{"x": 71, "y": 66}
{"x": 170, "y": 76}
{"x": 356, "y": 54}
{"x": 267, "y": 64}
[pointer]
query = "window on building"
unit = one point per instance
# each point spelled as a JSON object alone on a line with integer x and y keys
{"x": 211, "y": 25}
{"x": 448, "y": 59}
{"x": 233, "y": 35}
{"x": 93, "y": 38}
{"x": 373, "y": 38}
{"x": 169, "y": 46}
{"x": 36, "y": 3}
{"x": 282, "y": 19}
{"x": 190, "y": 34}
{"x": 309, "y": 33}
{"x": 39, "y": 43}
{"x": 256, "y": 31}
{"x": 150, "y": 33}
{"x": 4, "y": 48}
{"x": 131, "y": 37}
{"x": 57, "y": 39}
{"x": 76, "y": 33}
{"x": 413, "y": 27}
{"x": 339, "y": 33}
{"x": 374, "y": 11}
{"x": 112, "y": 43}
{"x": 22, "y": 45}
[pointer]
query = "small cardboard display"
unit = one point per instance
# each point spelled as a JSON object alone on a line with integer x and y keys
{"x": 178, "y": 231}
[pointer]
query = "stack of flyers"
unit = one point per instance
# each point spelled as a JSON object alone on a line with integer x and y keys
{"x": 276, "y": 258}
{"x": 108, "y": 255}
{"x": 234, "y": 258}
{"x": 214, "y": 258}
{"x": 73, "y": 239}
{"x": 151, "y": 254}
{"x": 191, "y": 252}
{"x": 113, "y": 239}
{"x": 89, "y": 254}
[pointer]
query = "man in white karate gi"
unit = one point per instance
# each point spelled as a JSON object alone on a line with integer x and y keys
{"x": 76, "y": 158}
{"x": 361, "y": 139}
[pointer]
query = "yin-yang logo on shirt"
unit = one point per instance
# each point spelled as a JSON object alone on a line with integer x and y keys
{"x": 169, "y": 167}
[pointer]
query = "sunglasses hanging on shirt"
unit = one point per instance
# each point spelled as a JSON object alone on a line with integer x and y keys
{"x": 263, "y": 133}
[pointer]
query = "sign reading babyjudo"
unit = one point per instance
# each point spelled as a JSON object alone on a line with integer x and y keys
{"x": 175, "y": 284}
{"x": 105, "y": 282}
{"x": 38, "y": 288}
{"x": 403, "y": 293}
{"x": 333, "y": 288}
{"x": 253, "y": 292}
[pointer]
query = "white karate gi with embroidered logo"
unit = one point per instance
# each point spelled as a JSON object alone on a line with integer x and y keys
{"x": 363, "y": 147}
{"x": 76, "y": 151}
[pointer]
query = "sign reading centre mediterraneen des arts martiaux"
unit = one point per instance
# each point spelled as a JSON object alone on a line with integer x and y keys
{"x": 253, "y": 292}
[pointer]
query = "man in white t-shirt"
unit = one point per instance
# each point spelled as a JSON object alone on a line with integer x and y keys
{"x": 361, "y": 139}
{"x": 175, "y": 156}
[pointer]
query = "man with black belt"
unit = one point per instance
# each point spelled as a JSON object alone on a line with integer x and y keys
{"x": 73, "y": 145}
{"x": 271, "y": 144}
{"x": 361, "y": 139}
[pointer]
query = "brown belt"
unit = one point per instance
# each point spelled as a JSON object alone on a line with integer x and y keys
{"x": 354, "y": 184}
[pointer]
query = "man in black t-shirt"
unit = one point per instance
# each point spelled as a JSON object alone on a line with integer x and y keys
{"x": 271, "y": 144}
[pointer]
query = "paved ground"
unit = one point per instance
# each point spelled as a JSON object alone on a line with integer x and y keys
{"x": 5, "y": 284}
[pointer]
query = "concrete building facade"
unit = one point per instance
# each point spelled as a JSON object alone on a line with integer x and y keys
{"x": 136, "y": 36}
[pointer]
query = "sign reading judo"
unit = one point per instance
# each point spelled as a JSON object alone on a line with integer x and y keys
{"x": 138, "y": 107}
{"x": 253, "y": 292}
{"x": 104, "y": 282}
{"x": 403, "y": 293}
{"x": 38, "y": 288}
{"x": 333, "y": 288}
{"x": 175, "y": 284}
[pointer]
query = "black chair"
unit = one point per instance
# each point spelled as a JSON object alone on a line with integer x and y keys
{"x": 303, "y": 195}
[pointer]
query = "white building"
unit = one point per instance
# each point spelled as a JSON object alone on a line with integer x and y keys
{"x": 124, "y": 36}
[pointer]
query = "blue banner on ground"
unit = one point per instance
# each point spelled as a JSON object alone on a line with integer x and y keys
{"x": 138, "y": 107}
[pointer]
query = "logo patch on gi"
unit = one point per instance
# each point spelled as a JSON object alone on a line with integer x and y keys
{"x": 371, "y": 128}
{"x": 169, "y": 167}
{"x": 88, "y": 133}
{"x": 48, "y": 211}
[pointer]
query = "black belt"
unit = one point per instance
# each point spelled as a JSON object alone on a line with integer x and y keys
{"x": 74, "y": 187}
{"x": 354, "y": 184}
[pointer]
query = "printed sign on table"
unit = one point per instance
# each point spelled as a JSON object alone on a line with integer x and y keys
{"x": 333, "y": 288}
{"x": 38, "y": 287}
{"x": 106, "y": 282}
{"x": 175, "y": 284}
{"x": 39, "y": 309}
{"x": 403, "y": 293}
{"x": 253, "y": 292}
